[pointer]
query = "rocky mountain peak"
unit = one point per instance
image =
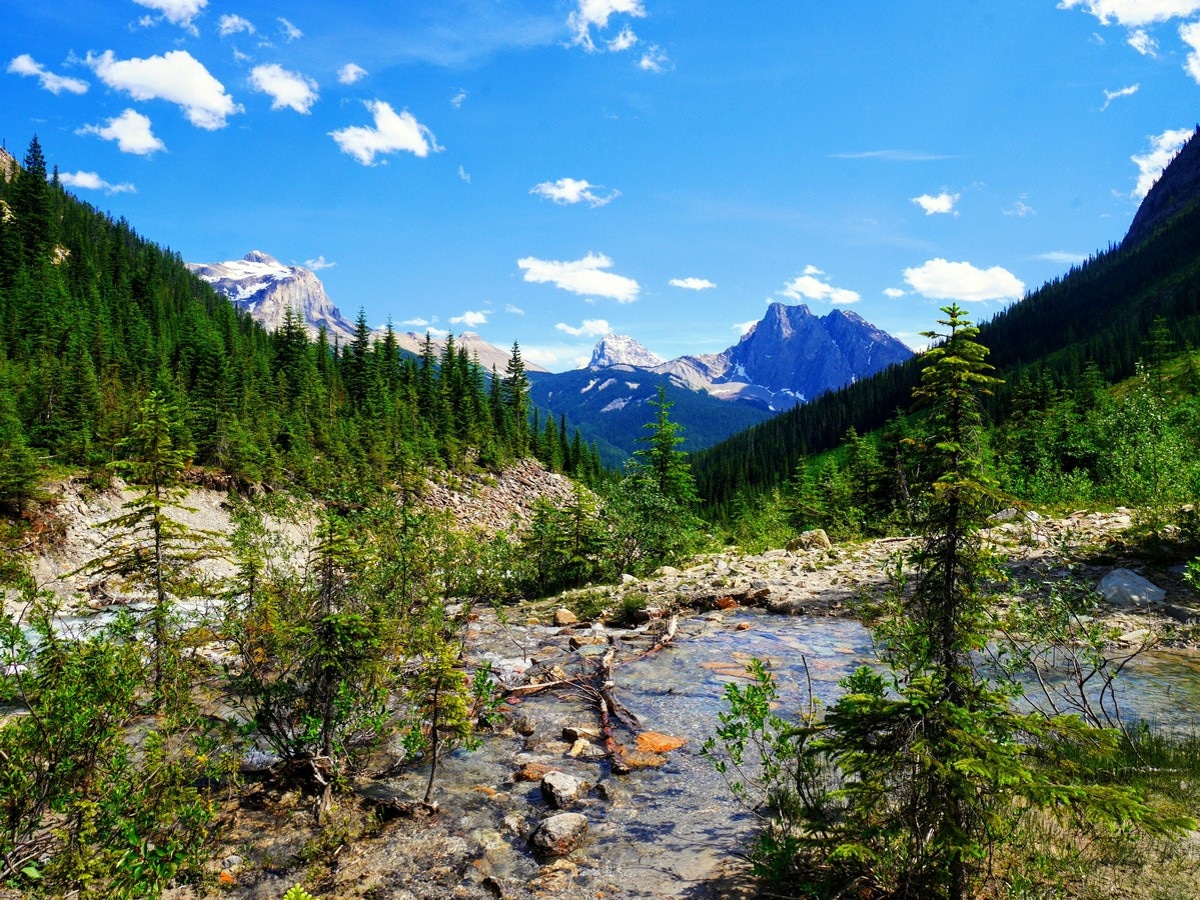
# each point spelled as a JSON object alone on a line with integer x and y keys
{"x": 622, "y": 350}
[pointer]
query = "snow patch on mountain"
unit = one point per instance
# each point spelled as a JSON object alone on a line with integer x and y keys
{"x": 622, "y": 350}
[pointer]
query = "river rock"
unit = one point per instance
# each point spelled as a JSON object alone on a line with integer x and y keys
{"x": 560, "y": 834}
{"x": 560, "y": 790}
{"x": 1125, "y": 588}
{"x": 573, "y": 733}
{"x": 564, "y": 617}
{"x": 653, "y": 742}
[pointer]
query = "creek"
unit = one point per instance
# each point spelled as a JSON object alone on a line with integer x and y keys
{"x": 667, "y": 831}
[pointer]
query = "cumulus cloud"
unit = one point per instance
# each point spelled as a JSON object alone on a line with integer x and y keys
{"x": 91, "y": 181}
{"x": 654, "y": 59}
{"x": 589, "y": 328}
{"x": 1139, "y": 39}
{"x": 809, "y": 287}
{"x": 288, "y": 90}
{"x": 1163, "y": 148}
{"x": 418, "y": 322}
{"x": 513, "y": 310}
{"x": 894, "y": 293}
{"x": 55, "y": 84}
{"x": 1110, "y": 96}
{"x": 1134, "y": 13}
{"x": 692, "y": 284}
{"x": 568, "y": 191}
{"x": 623, "y": 41}
{"x": 940, "y": 279}
{"x": 942, "y": 204}
{"x": 472, "y": 318}
{"x": 595, "y": 14}
{"x": 316, "y": 265}
{"x": 1191, "y": 36}
{"x": 290, "y": 31}
{"x": 464, "y": 174}
{"x": 231, "y": 24}
{"x": 176, "y": 77}
{"x": 581, "y": 276}
{"x": 745, "y": 327}
{"x": 131, "y": 131}
{"x": 177, "y": 12}
{"x": 350, "y": 73}
{"x": 392, "y": 132}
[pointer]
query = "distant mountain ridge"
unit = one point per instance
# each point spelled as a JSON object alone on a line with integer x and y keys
{"x": 266, "y": 288}
{"x": 788, "y": 357}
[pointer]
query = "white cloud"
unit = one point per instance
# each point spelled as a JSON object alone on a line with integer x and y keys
{"x": 942, "y": 204}
{"x": 231, "y": 24}
{"x": 1163, "y": 148}
{"x": 131, "y": 131}
{"x": 571, "y": 190}
{"x": 744, "y": 327}
{"x": 692, "y": 284}
{"x": 545, "y": 356}
{"x": 581, "y": 276}
{"x": 892, "y": 155}
{"x": 654, "y": 59}
{"x": 177, "y": 12}
{"x": 1139, "y": 39}
{"x": 1134, "y": 13}
{"x": 595, "y": 14}
{"x": 290, "y": 31}
{"x": 464, "y": 174}
{"x": 318, "y": 264}
{"x": 623, "y": 41}
{"x": 809, "y": 287}
{"x": 1190, "y": 34}
{"x": 55, "y": 84}
{"x": 513, "y": 310}
{"x": 392, "y": 132}
{"x": 1020, "y": 208}
{"x": 416, "y": 323}
{"x": 1110, "y": 96}
{"x": 471, "y": 318}
{"x": 1061, "y": 256}
{"x": 350, "y": 73}
{"x": 91, "y": 181}
{"x": 589, "y": 328}
{"x": 459, "y": 98}
{"x": 894, "y": 293}
{"x": 288, "y": 90}
{"x": 939, "y": 279}
{"x": 176, "y": 77}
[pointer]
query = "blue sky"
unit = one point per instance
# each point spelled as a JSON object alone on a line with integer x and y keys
{"x": 549, "y": 170}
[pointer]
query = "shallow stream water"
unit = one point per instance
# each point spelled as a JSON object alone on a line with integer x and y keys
{"x": 662, "y": 832}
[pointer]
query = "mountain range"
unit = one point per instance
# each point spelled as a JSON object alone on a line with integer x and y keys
{"x": 266, "y": 288}
{"x": 788, "y": 357}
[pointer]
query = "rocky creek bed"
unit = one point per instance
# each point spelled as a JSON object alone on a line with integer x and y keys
{"x": 539, "y": 810}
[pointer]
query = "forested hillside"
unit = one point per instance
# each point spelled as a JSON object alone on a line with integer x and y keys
{"x": 94, "y": 317}
{"x": 1100, "y": 314}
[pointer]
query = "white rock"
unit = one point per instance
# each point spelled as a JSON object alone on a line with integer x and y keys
{"x": 1125, "y": 588}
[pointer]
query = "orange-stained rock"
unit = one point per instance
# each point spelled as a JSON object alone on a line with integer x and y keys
{"x": 534, "y": 772}
{"x": 653, "y": 742}
{"x": 638, "y": 759}
{"x": 727, "y": 603}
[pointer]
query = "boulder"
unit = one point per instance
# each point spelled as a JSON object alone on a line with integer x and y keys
{"x": 816, "y": 539}
{"x": 1122, "y": 587}
{"x": 560, "y": 834}
{"x": 560, "y": 790}
{"x": 564, "y": 617}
